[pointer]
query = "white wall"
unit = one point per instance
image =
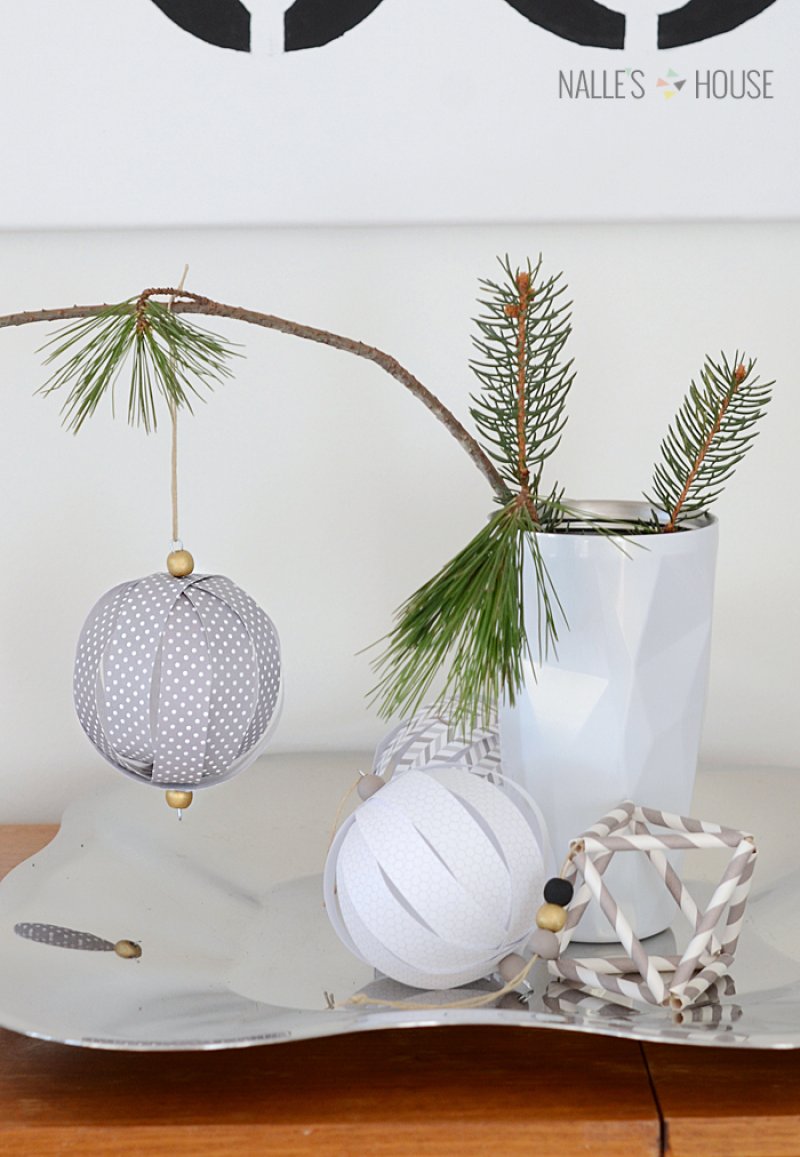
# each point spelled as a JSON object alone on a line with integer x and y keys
{"x": 416, "y": 115}
{"x": 325, "y": 490}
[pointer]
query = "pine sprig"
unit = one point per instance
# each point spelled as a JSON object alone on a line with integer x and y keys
{"x": 712, "y": 431}
{"x": 169, "y": 356}
{"x": 520, "y": 411}
{"x": 468, "y": 627}
{"x": 470, "y": 619}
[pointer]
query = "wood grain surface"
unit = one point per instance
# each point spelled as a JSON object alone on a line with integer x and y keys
{"x": 720, "y": 1103}
{"x": 449, "y": 1091}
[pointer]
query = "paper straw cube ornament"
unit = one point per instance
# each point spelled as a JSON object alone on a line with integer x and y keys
{"x": 674, "y": 980}
{"x": 436, "y": 878}
{"x": 177, "y": 681}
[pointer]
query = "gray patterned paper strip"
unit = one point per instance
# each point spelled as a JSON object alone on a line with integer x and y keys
{"x": 265, "y": 642}
{"x": 429, "y": 737}
{"x": 128, "y": 665}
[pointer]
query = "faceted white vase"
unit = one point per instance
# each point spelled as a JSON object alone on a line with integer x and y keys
{"x": 617, "y": 714}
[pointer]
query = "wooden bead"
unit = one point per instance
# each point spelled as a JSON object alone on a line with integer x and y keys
{"x": 179, "y": 799}
{"x": 558, "y": 891}
{"x": 551, "y": 917}
{"x": 180, "y": 563}
{"x": 544, "y": 944}
{"x": 369, "y": 784}
{"x": 127, "y": 949}
{"x": 511, "y": 966}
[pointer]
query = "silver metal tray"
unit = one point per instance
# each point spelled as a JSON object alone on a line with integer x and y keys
{"x": 237, "y": 949}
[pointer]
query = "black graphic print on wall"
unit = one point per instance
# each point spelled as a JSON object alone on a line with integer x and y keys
{"x": 581, "y": 21}
{"x": 701, "y": 19}
{"x": 225, "y": 23}
{"x": 313, "y": 23}
{"x": 306, "y": 24}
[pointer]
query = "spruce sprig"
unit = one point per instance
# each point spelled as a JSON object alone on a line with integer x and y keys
{"x": 520, "y": 410}
{"x": 712, "y": 431}
{"x": 470, "y": 620}
{"x": 170, "y": 357}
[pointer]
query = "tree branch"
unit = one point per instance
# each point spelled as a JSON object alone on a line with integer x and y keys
{"x": 194, "y": 303}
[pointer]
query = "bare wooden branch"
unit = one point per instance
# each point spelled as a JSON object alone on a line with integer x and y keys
{"x": 196, "y": 304}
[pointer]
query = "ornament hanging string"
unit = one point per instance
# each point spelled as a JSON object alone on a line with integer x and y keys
{"x": 342, "y": 802}
{"x": 173, "y": 413}
{"x": 467, "y": 1002}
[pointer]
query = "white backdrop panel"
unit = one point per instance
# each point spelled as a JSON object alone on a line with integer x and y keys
{"x": 426, "y": 110}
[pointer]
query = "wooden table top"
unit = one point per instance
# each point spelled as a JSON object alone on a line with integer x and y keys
{"x": 452, "y": 1091}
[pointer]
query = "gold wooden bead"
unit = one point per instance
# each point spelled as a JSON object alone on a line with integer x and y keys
{"x": 551, "y": 917}
{"x": 179, "y": 799}
{"x": 180, "y": 563}
{"x": 128, "y": 949}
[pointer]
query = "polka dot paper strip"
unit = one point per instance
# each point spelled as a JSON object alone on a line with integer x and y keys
{"x": 177, "y": 681}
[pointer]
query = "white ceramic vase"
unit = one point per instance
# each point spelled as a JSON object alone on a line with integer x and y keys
{"x": 617, "y": 714}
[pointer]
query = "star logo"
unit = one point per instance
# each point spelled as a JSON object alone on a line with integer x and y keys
{"x": 672, "y": 85}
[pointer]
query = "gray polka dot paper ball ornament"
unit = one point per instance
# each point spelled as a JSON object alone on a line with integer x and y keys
{"x": 177, "y": 681}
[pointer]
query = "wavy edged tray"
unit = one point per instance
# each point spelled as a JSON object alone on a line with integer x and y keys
{"x": 237, "y": 949}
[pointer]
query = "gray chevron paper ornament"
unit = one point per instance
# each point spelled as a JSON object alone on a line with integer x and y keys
{"x": 177, "y": 681}
{"x": 429, "y": 737}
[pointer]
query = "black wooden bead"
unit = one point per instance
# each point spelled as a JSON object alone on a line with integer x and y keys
{"x": 558, "y": 891}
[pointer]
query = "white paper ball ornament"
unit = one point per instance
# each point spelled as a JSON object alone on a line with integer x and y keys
{"x": 437, "y": 877}
{"x": 177, "y": 680}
